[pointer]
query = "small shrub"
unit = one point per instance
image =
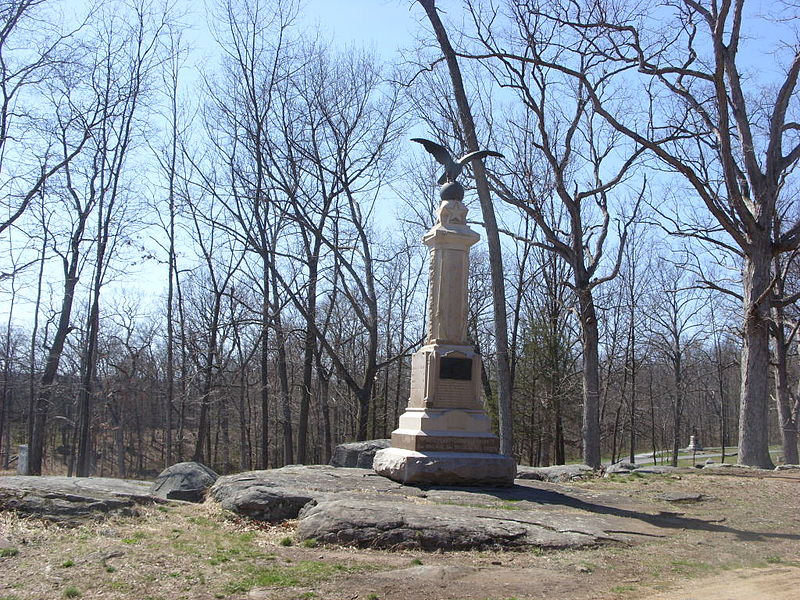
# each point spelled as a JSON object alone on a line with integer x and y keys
{"x": 310, "y": 543}
{"x": 416, "y": 561}
{"x": 110, "y": 569}
{"x": 372, "y": 596}
{"x": 8, "y": 552}
{"x": 68, "y": 563}
{"x": 287, "y": 541}
{"x": 72, "y": 592}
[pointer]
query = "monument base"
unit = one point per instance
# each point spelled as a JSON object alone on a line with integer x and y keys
{"x": 445, "y": 468}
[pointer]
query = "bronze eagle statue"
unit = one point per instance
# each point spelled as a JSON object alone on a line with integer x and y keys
{"x": 452, "y": 168}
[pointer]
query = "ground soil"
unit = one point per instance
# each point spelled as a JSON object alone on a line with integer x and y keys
{"x": 742, "y": 541}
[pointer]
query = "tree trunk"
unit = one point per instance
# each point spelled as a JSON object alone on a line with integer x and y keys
{"x": 753, "y": 413}
{"x": 590, "y": 431}
{"x": 788, "y": 425}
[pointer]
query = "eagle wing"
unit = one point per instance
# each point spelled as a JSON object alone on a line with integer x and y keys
{"x": 440, "y": 153}
{"x": 476, "y": 155}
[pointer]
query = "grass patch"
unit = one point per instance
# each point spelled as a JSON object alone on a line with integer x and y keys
{"x": 303, "y": 573}
{"x": 689, "y": 566}
{"x": 8, "y": 553}
{"x": 287, "y": 541}
{"x": 72, "y": 592}
{"x": 310, "y": 543}
{"x": 416, "y": 561}
{"x": 137, "y": 537}
{"x": 68, "y": 563}
{"x": 623, "y": 589}
{"x": 120, "y": 586}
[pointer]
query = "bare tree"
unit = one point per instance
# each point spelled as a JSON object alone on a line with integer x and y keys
{"x": 565, "y": 159}
{"x": 732, "y": 140}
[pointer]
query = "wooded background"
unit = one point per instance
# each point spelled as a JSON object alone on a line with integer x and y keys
{"x": 639, "y": 284}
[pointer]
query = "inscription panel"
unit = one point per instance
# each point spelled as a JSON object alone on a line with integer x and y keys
{"x": 454, "y": 394}
{"x": 455, "y": 368}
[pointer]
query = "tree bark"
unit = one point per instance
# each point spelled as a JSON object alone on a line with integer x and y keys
{"x": 754, "y": 407}
{"x": 590, "y": 430}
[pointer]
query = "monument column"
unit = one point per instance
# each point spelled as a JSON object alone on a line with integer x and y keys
{"x": 444, "y": 436}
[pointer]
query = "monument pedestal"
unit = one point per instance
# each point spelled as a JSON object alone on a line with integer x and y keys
{"x": 445, "y": 468}
{"x": 444, "y": 436}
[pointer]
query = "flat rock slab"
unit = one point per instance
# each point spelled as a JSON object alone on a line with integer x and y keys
{"x": 556, "y": 474}
{"x": 72, "y": 499}
{"x": 359, "y": 508}
{"x": 372, "y": 523}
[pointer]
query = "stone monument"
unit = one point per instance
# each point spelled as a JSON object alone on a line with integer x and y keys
{"x": 22, "y": 459}
{"x": 694, "y": 444}
{"x": 444, "y": 436}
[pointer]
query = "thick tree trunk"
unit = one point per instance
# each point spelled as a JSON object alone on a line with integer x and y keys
{"x": 492, "y": 234}
{"x": 753, "y": 412}
{"x": 590, "y": 430}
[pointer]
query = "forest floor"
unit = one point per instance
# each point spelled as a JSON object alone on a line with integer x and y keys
{"x": 743, "y": 543}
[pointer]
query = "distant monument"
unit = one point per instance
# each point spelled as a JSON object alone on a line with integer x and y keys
{"x": 694, "y": 444}
{"x": 445, "y": 436}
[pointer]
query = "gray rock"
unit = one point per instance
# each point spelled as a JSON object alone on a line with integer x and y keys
{"x": 555, "y": 474}
{"x": 656, "y": 470}
{"x": 184, "y": 481}
{"x": 358, "y": 454}
{"x": 72, "y": 500}
{"x": 377, "y": 523}
{"x": 681, "y": 497}
{"x": 279, "y": 494}
{"x": 620, "y": 468}
{"x": 360, "y": 508}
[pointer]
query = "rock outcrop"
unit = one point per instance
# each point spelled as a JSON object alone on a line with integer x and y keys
{"x": 72, "y": 499}
{"x": 358, "y": 455}
{"x": 186, "y": 481}
{"x": 556, "y": 474}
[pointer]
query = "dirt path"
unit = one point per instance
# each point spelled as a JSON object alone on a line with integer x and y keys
{"x": 781, "y": 583}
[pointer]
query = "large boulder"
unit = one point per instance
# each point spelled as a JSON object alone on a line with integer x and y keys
{"x": 358, "y": 455}
{"x": 279, "y": 494}
{"x": 72, "y": 500}
{"x": 184, "y": 481}
{"x": 556, "y": 473}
